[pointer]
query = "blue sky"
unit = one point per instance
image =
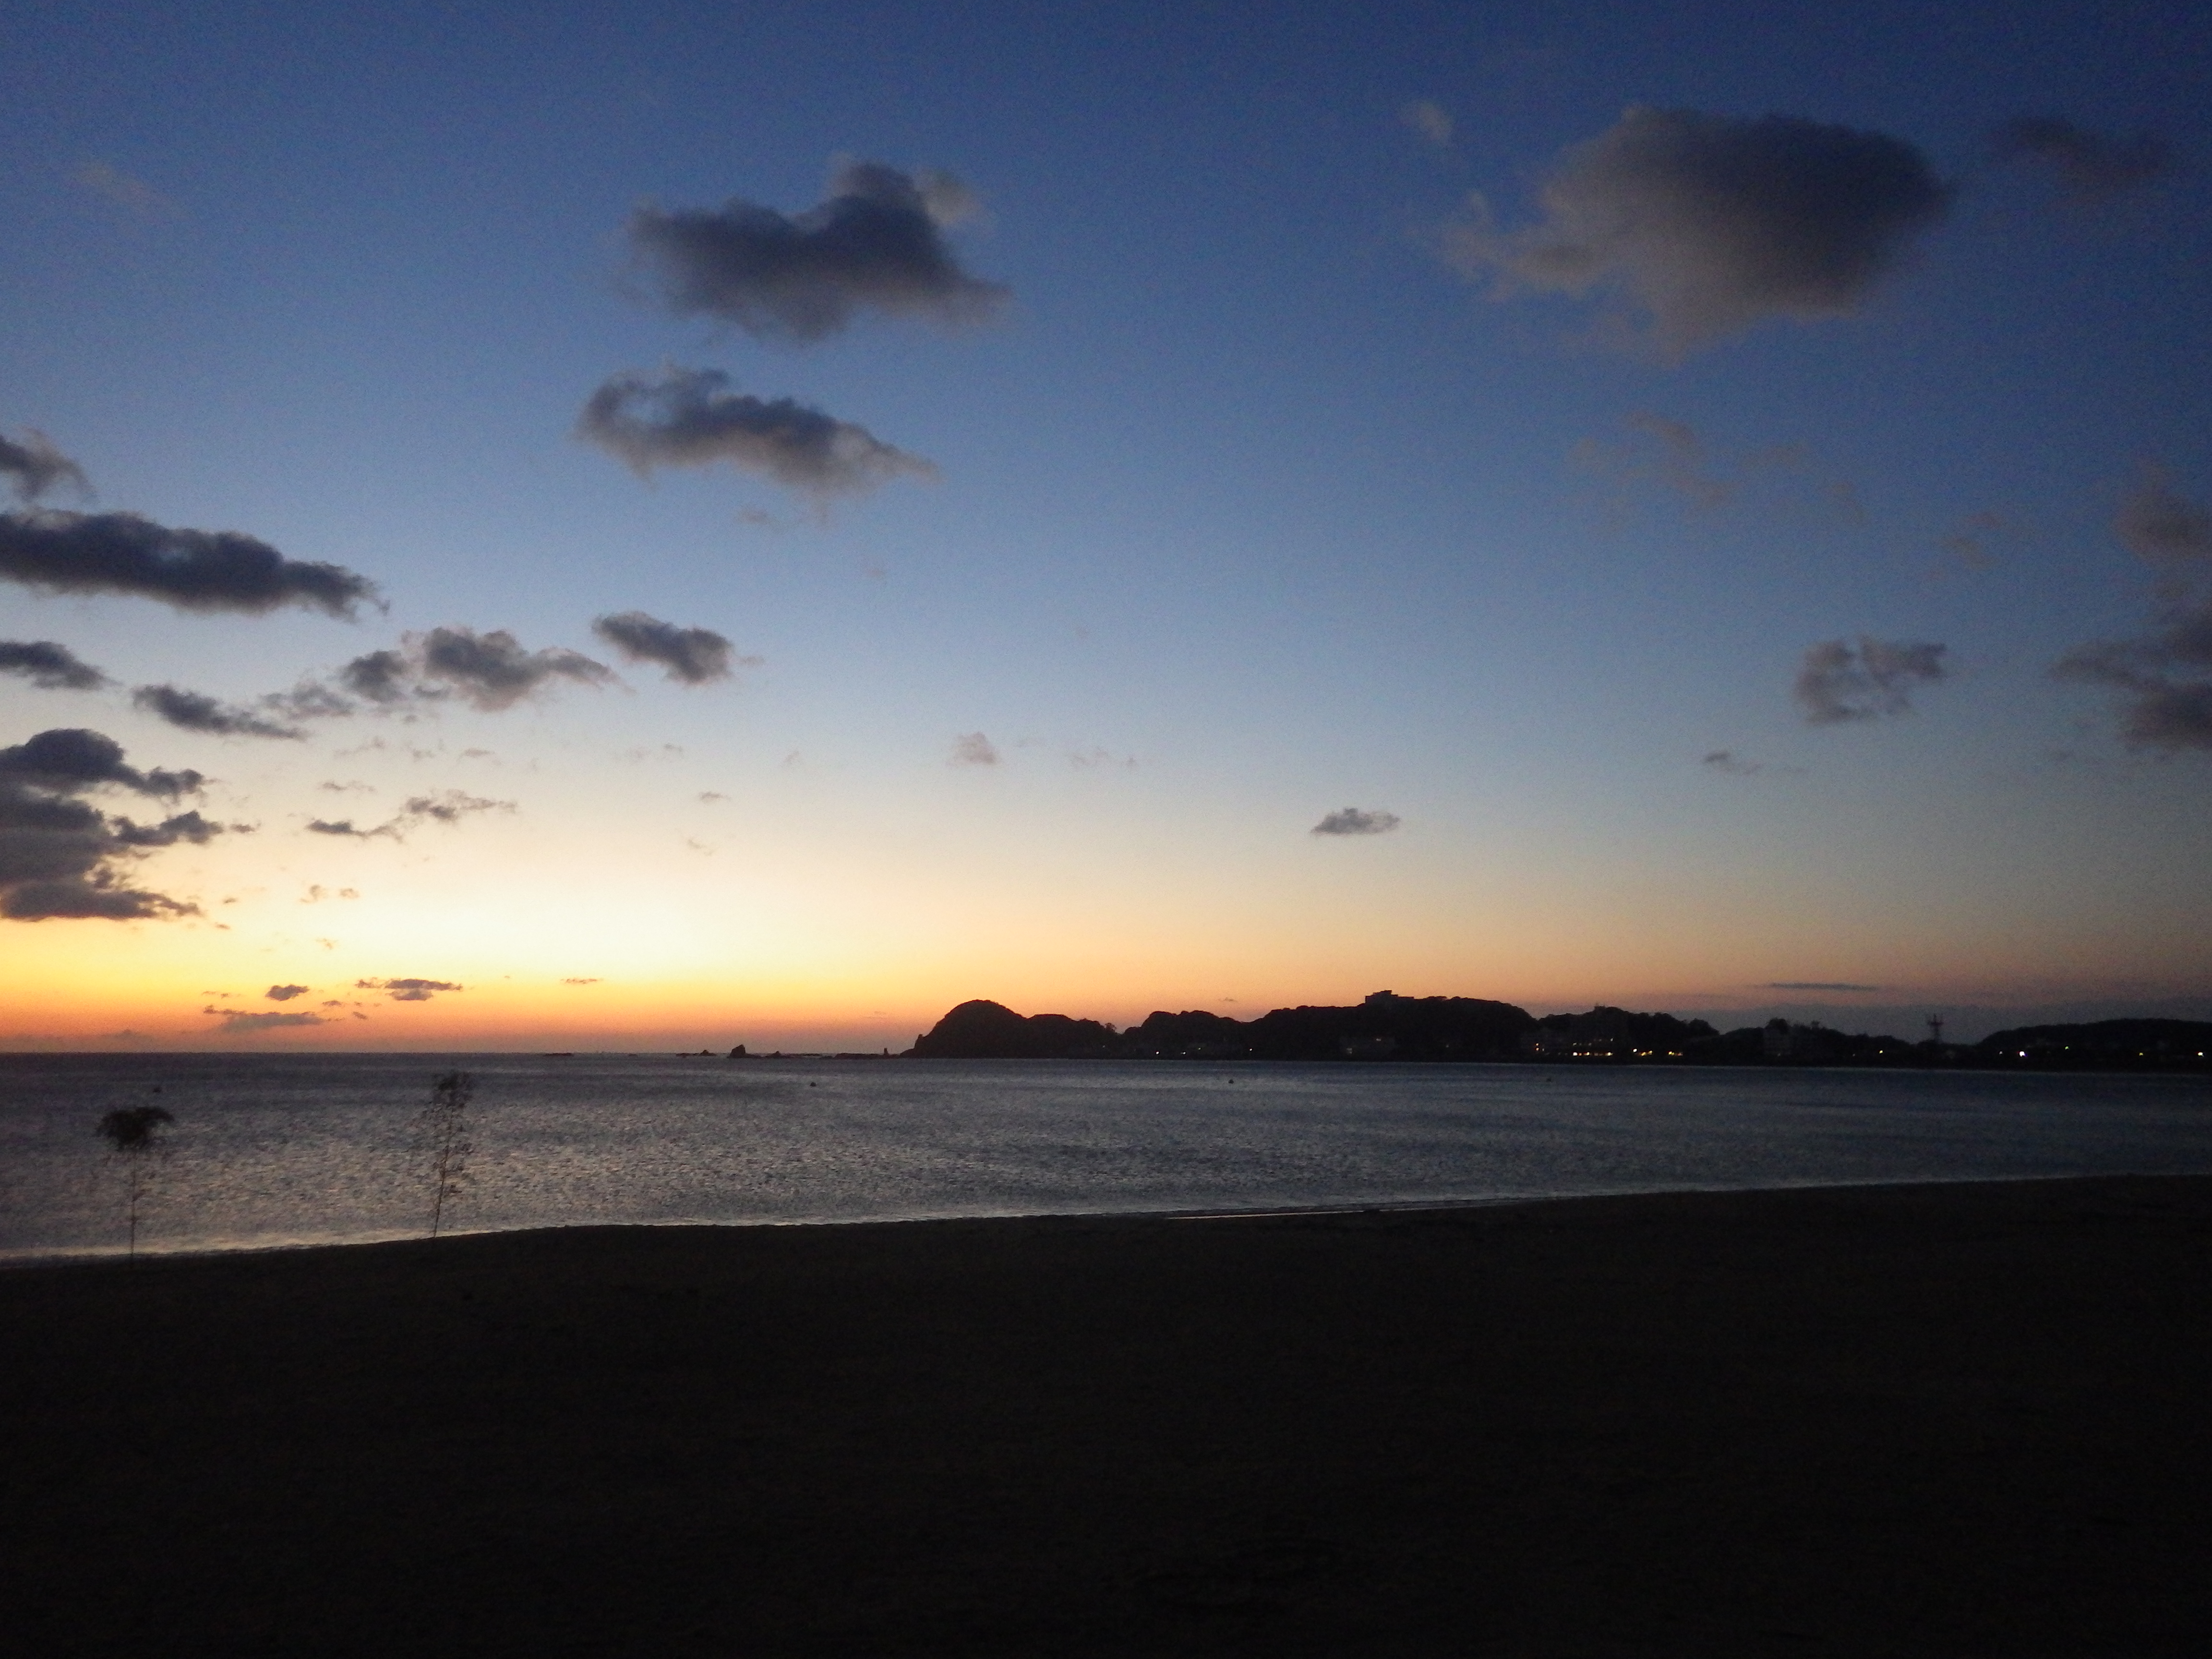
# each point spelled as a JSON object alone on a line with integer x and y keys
{"x": 1247, "y": 484}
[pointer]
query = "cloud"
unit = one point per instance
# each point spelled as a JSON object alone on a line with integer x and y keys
{"x": 579, "y": 982}
{"x": 686, "y": 417}
{"x": 1428, "y": 119}
{"x": 237, "y": 1024}
{"x": 973, "y": 748}
{"x": 70, "y": 758}
{"x": 1727, "y": 760}
{"x": 1356, "y": 820}
{"x": 61, "y": 858}
{"x": 407, "y": 990}
{"x": 196, "y": 711}
{"x": 1838, "y": 682}
{"x": 1710, "y": 224}
{"x": 692, "y": 656}
{"x": 1815, "y": 985}
{"x": 285, "y": 992}
{"x": 491, "y": 671}
{"x": 50, "y": 667}
{"x": 2157, "y": 523}
{"x": 874, "y": 243}
{"x": 2091, "y": 169}
{"x": 2165, "y": 672}
{"x": 449, "y": 808}
{"x": 34, "y": 466}
{"x": 192, "y": 569}
{"x": 123, "y": 190}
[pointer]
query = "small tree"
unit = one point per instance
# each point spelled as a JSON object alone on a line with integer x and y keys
{"x": 133, "y": 1136}
{"x": 442, "y": 1127}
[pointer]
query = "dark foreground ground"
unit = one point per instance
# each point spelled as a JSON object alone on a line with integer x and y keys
{"x": 1962, "y": 1420}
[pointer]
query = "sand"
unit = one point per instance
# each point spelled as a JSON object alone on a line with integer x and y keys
{"x": 1953, "y": 1420}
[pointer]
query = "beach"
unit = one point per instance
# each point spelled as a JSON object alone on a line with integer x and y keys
{"x": 1946, "y": 1419}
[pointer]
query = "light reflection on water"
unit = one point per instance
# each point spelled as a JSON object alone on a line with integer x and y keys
{"x": 272, "y": 1150}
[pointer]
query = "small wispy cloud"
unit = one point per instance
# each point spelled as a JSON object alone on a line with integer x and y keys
{"x": 2092, "y": 168}
{"x": 119, "y": 189}
{"x": 285, "y": 992}
{"x": 407, "y": 990}
{"x": 1428, "y": 119}
{"x": 1727, "y": 761}
{"x": 1816, "y": 985}
{"x": 1839, "y": 682}
{"x": 973, "y": 748}
{"x": 34, "y": 466}
{"x": 240, "y": 1024}
{"x": 1356, "y": 820}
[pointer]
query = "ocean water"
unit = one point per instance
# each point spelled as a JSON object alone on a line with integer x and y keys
{"x": 271, "y": 1151}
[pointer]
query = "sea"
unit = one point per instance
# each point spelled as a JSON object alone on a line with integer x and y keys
{"x": 270, "y": 1150}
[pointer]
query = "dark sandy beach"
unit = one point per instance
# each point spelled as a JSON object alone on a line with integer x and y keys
{"x": 1953, "y": 1420}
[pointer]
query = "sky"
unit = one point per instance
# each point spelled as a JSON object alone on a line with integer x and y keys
{"x": 662, "y": 525}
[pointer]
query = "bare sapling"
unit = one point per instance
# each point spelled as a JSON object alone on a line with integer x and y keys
{"x": 133, "y": 1134}
{"x": 442, "y": 1129}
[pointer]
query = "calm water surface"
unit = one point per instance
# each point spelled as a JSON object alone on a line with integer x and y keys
{"x": 281, "y": 1149}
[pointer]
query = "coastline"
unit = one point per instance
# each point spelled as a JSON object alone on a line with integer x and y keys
{"x": 1858, "y": 1419}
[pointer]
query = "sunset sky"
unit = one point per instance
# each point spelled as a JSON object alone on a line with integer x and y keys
{"x": 758, "y": 523}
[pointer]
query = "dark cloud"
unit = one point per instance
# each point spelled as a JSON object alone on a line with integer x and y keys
{"x": 192, "y": 569}
{"x": 688, "y": 417}
{"x": 285, "y": 992}
{"x": 1710, "y": 224}
{"x": 1815, "y": 985}
{"x": 407, "y": 990}
{"x": 494, "y": 671}
{"x": 973, "y": 748}
{"x": 2165, "y": 673}
{"x": 196, "y": 711}
{"x": 70, "y": 758}
{"x": 2159, "y": 524}
{"x": 63, "y": 858}
{"x": 1356, "y": 820}
{"x": 1727, "y": 761}
{"x": 691, "y": 655}
{"x": 1839, "y": 681}
{"x": 579, "y": 982}
{"x": 236, "y": 1024}
{"x": 34, "y": 466}
{"x": 2091, "y": 167}
{"x": 876, "y": 242}
{"x": 52, "y": 667}
{"x": 379, "y": 676}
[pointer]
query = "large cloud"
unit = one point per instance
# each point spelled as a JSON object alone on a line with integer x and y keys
{"x": 192, "y": 569}
{"x": 2165, "y": 673}
{"x": 688, "y": 417}
{"x": 2091, "y": 167}
{"x": 1839, "y": 682}
{"x": 875, "y": 242}
{"x": 692, "y": 656}
{"x": 50, "y": 667}
{"x": 34, "y": 466}
{"x": 195, "y": 711}
{"x": 60, "y": 856}
{"x": 1711, "y": 224}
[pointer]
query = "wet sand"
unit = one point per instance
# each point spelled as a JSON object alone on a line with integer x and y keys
{"x": 1938, "y": 1420}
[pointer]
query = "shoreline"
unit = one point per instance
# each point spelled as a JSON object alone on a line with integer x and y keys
{"x": 11, "y": 1263}
{"x": 1928, "y": 1418}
